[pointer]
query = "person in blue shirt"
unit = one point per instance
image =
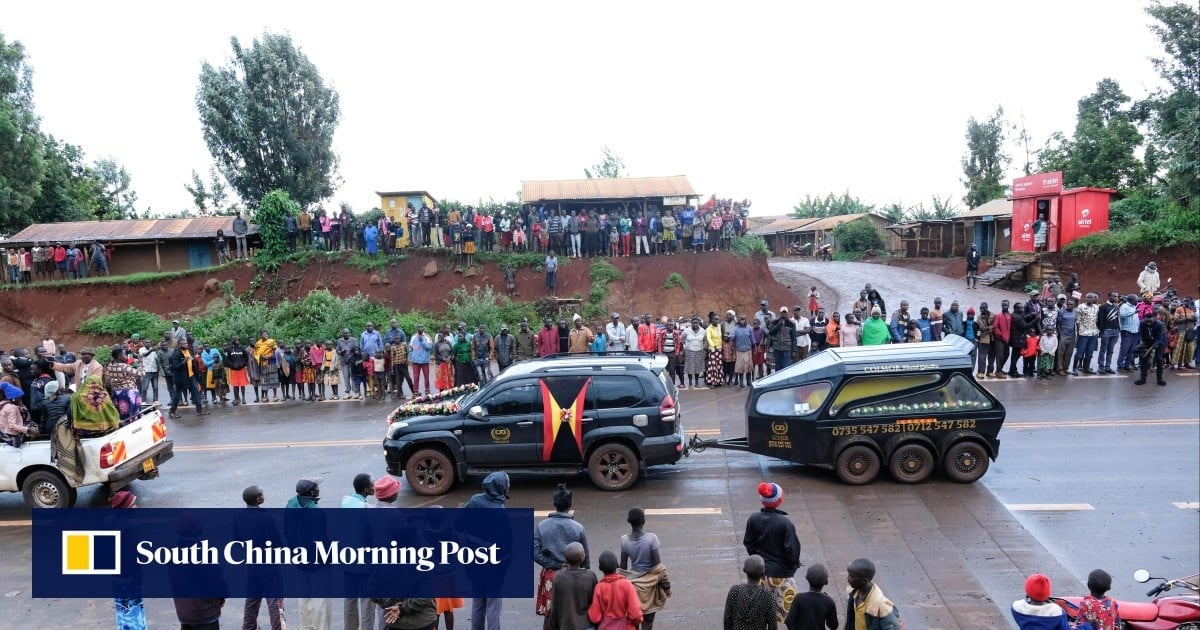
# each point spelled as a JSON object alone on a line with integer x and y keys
{"x": 925, "y": 325}
{"x": 600, "y": 343}
{"x": 370, "y": 340}
{"x": 371, "y": 239}
{"x": 394, "y": 333}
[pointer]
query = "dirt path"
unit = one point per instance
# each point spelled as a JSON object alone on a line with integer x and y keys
{"x": 840, "y": 282}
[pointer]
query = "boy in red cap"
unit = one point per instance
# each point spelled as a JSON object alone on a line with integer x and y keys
{"x": 1036, "y": 611}
{"x": 771, "y": 534}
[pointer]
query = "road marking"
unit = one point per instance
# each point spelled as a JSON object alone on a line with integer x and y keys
{"x": 1187, "y": 505}
{"x": 703, "y": 511}
{"x": 16, "y": 523}
{"x": 1048, "y": 507}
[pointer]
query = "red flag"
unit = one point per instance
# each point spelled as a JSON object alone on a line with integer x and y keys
{"x": 710, "y": 204}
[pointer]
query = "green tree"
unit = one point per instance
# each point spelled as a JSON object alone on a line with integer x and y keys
{"x": 893, "y": 212}
{"x": 829, "y": 206}
{"x": 21, "y": 141}
{"x": 939, "y": 209}
{"x": 70, "y": 190}
{"x": 211, "y": 198}
{"x": 859, "y": 235}
{"x": 268, "y": 216}
{"x": 268, "y": 119}
{"x": 611, "y": 166}
{"x": 1103, "y": 149}
{"x": 1175, "y": 113}
{"x": 985, "y": 162}
{"x": 117, "y": 197}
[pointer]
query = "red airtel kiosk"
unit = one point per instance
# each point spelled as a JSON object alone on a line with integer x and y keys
{"x": 1066, "y": 215}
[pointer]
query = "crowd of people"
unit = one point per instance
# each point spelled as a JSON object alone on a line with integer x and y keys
{"x": 72, "y": 260}
{"x": 628, "y": 229}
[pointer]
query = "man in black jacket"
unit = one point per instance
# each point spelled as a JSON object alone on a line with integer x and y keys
{"x": 783, "y": 338}
{"x": 183, "y": 371}
{"x": 1108, "y": 320}
{"x": 1153, "y": 336}
{"x": 771, "y": 534}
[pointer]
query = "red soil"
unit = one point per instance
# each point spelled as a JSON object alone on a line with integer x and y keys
{"x": 717, "y": 281}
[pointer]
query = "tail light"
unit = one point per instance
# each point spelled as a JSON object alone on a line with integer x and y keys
{"x": 112, "y": 453}
{"x": 666, "y": 409}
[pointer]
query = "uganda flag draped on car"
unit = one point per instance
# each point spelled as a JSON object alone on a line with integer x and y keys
{"x": 562, "y": 440}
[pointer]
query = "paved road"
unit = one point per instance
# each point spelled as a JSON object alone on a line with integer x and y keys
{"x": 951, "y": 556}
{"x": 1093, "y": 472}
{"x": 840, "y": 283}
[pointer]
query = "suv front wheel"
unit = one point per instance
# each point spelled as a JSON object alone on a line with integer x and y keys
{"x": 430, "y": 472}
{"x": 613, "y": 467}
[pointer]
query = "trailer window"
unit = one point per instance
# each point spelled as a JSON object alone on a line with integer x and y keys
{"x": 862, "y": 388}
{"x": 959, "y": 394}
{"x": 804, "y": 400}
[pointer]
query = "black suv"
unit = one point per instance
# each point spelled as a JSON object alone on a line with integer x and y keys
{"x": 611, "y": 414}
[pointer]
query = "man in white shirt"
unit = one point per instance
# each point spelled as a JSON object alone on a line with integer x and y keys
{"x": 149, "y": 359}
{"x": 803, "y": 341}
{"x": 616, "y": 333}
{"x": 631, "y": 336}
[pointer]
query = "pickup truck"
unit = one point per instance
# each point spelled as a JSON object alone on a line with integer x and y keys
{"x": 134, "y": 451}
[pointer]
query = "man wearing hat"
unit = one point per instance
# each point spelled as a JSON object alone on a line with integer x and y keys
{"x": 615, "y": 333}
{"x": 526, "y": 344}
{"x": 1148, "y": 281}
{"x": 783, "y": 338}
{"x": 504, "y": 346}
{"x": 83, "y": 367}
{"x": 764, "y": 313}
{"x": 973, "y": 257}
{"x": 178, "y": 333}
{"x": 772, "y": 535}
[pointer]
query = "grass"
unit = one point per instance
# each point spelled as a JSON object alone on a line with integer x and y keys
{"x": 601, "y": 274}
{"x": 132, "y": 279}
{"x": 675, "y": 280}
{"x": 532, "y": 260}
{"x": 378, "y": 263}
{"x": 1177, "y": 227}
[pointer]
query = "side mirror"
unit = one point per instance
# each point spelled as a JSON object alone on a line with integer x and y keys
{"x": 1141, "y": 576}
{"x": 477, "y": 413}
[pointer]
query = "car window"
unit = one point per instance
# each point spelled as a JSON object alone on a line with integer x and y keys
{"x": 958, "y": 394}
{"x": 615, "y": 392}
{"x": 804, "y": 400}
{"x": 864, "y": 387}
{"x": 517, "y": 400}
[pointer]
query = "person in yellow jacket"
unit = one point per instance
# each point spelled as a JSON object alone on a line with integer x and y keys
{"x": 714, "y": 373}
{"x": 264, "y": 354}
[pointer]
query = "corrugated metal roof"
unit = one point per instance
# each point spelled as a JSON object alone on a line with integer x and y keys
{"x": 781, "y": 226}
{"x": 609, "y": 188}
{"x": 828, "y": 223}
{"x": 995, "y": 207}
{"x": 127, "y": 230}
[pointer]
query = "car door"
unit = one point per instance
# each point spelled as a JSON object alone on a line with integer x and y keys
{"x": 508, "y": 432}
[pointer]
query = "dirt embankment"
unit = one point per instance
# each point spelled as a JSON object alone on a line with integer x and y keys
{"x": 1110, "y": 272}
{"x": 716, "y": 281}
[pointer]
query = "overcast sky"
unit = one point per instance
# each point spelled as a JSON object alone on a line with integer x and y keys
{"x": 762, "y": 100}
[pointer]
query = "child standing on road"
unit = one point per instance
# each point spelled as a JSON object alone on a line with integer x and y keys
{"x": 614, "y": 597}
{"x": 378, "y": 374}
{"x": 1097, "y": 608}
{"x": 814, "y": 301}
{"x": 1047, "y": 348}
{"x": 813, "y": 610}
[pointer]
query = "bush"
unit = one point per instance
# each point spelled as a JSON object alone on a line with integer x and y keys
{"x": 859, "y": 235}
{"x": 675, "y": 280}
{"x": 269, "y": 219}
{"x": 749, "y": 246}
{"x": 1175, "y": 226}
{"x": 485, "y": 306}
{"x": 603, "y": 272}
{"x": 122, "y": 324}
{"x": 531, "y": 260}
{"x": 377, "y": 263}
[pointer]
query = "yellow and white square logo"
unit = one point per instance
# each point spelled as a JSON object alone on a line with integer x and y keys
{"x": 91, "y": 552}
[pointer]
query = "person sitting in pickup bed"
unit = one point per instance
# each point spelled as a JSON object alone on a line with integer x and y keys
{"x": 92, "y": 410}
{"x": 15, "y": 425}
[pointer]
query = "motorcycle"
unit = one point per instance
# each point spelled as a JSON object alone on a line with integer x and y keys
{"x": 1180, "y": 612}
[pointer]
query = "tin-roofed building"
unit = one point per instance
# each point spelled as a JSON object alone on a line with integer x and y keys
{"x": 141, "y": 244}
{"x": 647, "y": 193}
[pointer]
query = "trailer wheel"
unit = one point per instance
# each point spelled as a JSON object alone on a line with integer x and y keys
{"x": 911, "y": 463}
{"x": 858, "y": 465}
{"x": 45, "y": 489}
{"x": 966, "y": 462}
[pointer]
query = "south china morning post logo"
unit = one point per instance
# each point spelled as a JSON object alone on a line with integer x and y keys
{"x": 221, "y": 552}
{"x": 91, "y": 552}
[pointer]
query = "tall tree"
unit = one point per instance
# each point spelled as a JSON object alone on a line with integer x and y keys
{"x": 1176, "y": 112}
{"x": 211, "y": 198}
{"x": 829, "y": 206}
{"x": 117, "y": 197}
{"x": 21, "y": 142}
{"x": 1103, "y": 150}
{"x": 985, "y": 162}
{"x": 269, "y": 120}
{"x": 70, "y": 190}
{"x": 610, "y": 166}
